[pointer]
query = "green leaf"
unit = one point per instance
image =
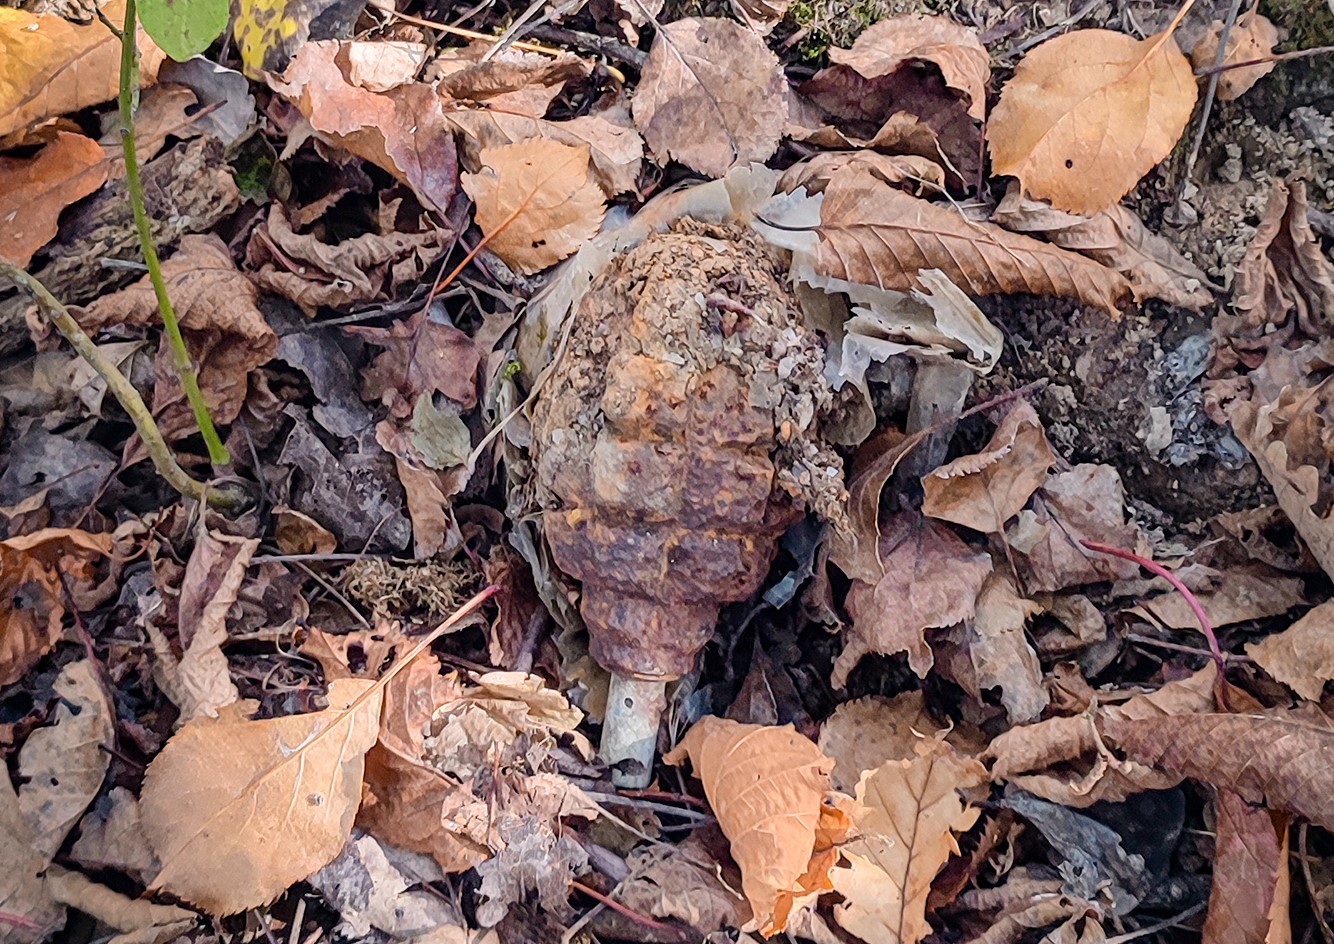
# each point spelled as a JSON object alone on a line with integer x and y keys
{"x": 183, "y": 28}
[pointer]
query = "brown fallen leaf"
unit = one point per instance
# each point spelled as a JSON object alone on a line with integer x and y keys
{"x": 1301, "y": 656}
{"x": 236, "y": 835}
{"x": 24, "y": 889}
{"x": 298, "y": 533}
{"x": 1118, "y": 239}
{"x": 931, "y": 579}
{"x": 225, "y": 332}
{"x": 520, "y": 83}
{"x": 682, "y": 881}
{"x": 908, "y": 813}
{"x": 1089, "y": 113}
{"x": 111, "y": 838}
{"x": 1000, "y": 652}
{"x": 1277, "y": 435}
{"x": 886, "y": 46}
{"x": 200, "y": 682}
{"x": 1086, "y": 502}
{"x": 712, "y": 95}
{"x": 1062, "y": 759}
{"x": 1247, "y": 592}
{"x": 1284, "y": 286}
{"x": 917, "y": 174}
{"x": 1252, "y": 37}
{"x": 760, "y": 15}
{"x": 31, "y": 567}
{"x": 401, "y": 129}
{"x": 315, "y": 268}
{"x": 1279, "y": 760}
{"x": 1249, "y": 900}
{"x": 536, "y": 202}
{"x": 985, "y": 490}
{"x": 868, "y": 732}
{"x": 875, "y": 234}
{"x": 614, "y": 146}
{"x": 53, "y": 67}
{"x": 35, "y": 190}
{"x": 63, "y": 763}
{"x": 767, "y": 786}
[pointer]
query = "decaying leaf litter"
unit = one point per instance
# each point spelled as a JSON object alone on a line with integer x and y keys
{"x": 740, "y": 400}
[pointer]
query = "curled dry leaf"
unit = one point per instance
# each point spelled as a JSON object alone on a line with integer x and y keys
{"x": 219, "y": 313}
{"x": 886, "y": 46}
{"x": 931, "y": 579}
{"x": 1088, "y": 114}
{"x": 712, "y": 95}
{"x": 1252, "y": 37}
{"x": 536, "y": 202}
{"x": 1302, "y": 656}
{"x": 35, "y": 190}
{"x": 908, "y": 813}
{"x": 1273, "y": 433}
{"x": 1280, "y": 760}
{"x": 235, "y": 836}
{"x": 682, "y": 881}
{"x": 999, "y": 649}
{"x": 767, "y": 786}
{"x": 401, "y": 129}
{"x": 916, "y": 174}
{"x": 31, "y": 567}
{"x": 1118, "y": 239}
{"x": 875, "y": 234}
{"x": 53, "y": 67}
{"x": 985, "y": 490}
{"x": 1249, "y": 899}
{"x": 1247, "y": 592}
{"x": 1062, "y": 759}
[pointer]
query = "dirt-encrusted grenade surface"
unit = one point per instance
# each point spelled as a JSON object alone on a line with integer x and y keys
{"x": 677, "y": 439}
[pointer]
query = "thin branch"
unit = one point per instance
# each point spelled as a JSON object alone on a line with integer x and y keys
{"x": 223, "y": 499}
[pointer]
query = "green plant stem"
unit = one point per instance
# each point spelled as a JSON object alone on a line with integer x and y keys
{"x": 221, "y": 498}
{"x": 129, "y": 87}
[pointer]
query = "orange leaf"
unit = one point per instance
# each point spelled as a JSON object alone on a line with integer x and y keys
{"x": 34, "y": 191}
{"x": 1249, "y": 899}
{"x": 536, "y": 200}
{"x": 767, "y": 786}
{"x": 1252, "y": 37}
{"x": 1088, "y": 114}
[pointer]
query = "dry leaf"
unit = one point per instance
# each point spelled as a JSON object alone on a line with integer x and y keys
{"x": 931, "y": 579}
{"x": 1089, "y": 113}
{"x": 875, "y": 234}
{"x": 711, "y": 96}
{"x": 536, "y": 202}
{"x": 1299, "y": 477}
{"x": 1248, "y": 592}
{"x": 909, "y": 811}
{"x": 1252, "y": 37}
{"x": 865, "y": 733}
{"x": 1118, "y": 239}
{"x": 767, "y": 786}
{"x": 35, "y": 190}
{"x": 235, "y": 836}
{"x": 917, "y": 174}
{"x": 1302, "y": 656}
{"x": 682, "y": 881}
{"x": 64, "y": 762}
{"x": 111, "y": 837}
{"x": 139, "y": 920}
{"x": 1250, "y": 883}
{"x": 1085, "y": 503}
{"x": 226, "y": 334}
{"x": 23, "y": 886}
{"x": 50, "y": 66}
{"x": 1279, "y": 760}
{"x": 515, "y": 82}
{"x": 614, "y": 146}
{"x": 401, "y": 129}
{"x": 760, "y": 15}
{"x": 985, "y": 490}
{"x": 1062, "y": 760}
{"x": 31, "y": 567}
{"x": 1001, "y": 654}
{"x": 297, "y": 533}
{"x": 887, "y": 45}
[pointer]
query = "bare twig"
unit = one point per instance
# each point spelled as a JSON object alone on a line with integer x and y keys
{"x": 224, "y": 499}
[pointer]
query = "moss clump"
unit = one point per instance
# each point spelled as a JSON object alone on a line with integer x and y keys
{"x": 839, "y": 22}
{"x": 1308, "y": 22}
{"x": 410, "y": 589}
